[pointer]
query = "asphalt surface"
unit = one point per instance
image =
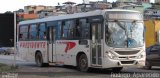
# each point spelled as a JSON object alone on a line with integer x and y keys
{"x": 30, "y": 70}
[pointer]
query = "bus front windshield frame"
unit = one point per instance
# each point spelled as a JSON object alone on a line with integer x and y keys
{"x": 124, "y": 33}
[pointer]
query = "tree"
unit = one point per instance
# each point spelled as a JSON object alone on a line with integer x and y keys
{"x": 8, "y": 12}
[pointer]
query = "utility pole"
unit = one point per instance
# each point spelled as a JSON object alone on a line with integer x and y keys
{"x": 15, "y": 36}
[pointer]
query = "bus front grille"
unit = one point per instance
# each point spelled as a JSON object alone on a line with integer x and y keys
{"x": 127, "y": 62}
{"x": 127, "y": 52}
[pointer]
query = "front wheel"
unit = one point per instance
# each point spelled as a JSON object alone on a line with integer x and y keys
{"x": 83, "y": 63}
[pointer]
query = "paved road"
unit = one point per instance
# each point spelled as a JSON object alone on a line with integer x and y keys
{"x": 28, "y": 69}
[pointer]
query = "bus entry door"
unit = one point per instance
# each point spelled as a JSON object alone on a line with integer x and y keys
{"x": 51, "y": 52}
{"x": 96, "y": 48}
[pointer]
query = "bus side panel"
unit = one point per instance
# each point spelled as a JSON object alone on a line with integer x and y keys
{"x": 22, "y": 50}
{"x": 67, "y": 51}
{"x": 29, "y": 48}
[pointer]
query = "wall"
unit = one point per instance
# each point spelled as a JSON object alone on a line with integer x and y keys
{"x": 6, "y": 30}
{"x": 152, "y": 27}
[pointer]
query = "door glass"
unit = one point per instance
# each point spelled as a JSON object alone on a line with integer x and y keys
{"x": 51, "y": 35}
{"x": 93, "y": 44}
{"x": 96, "y": 44}
{"x": 99, "y": 33}
{"x": 99, "y": 55}
{"x": 93, "y": 55}
{"x": 93, "y": 34}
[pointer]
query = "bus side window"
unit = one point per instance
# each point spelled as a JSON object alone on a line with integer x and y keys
{"x": 71, "y": 29}
{"x": 84, "y": 28}
{"x": 23, "y": 34}
{"x": 44, "y": 35}
{"x": 62, "y": 29}
{"x": 42, "y": 31}
{"x": 77, "y": 29}
{"x": 20, "y": 36}
{"x": 33, "y": 31}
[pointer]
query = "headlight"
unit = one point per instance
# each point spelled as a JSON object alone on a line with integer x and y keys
{"x": 140, "y": 56}
{"x": 111, "y": 55}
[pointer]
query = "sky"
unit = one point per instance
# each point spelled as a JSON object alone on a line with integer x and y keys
{"x": 12, "y": 5}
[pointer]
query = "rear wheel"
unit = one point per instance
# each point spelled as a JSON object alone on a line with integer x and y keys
{"x": 117, "y": 69}
{"x": 39, "y": 59}
{"x": 83, "y": 63}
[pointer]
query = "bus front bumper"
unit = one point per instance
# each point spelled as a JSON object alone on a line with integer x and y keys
{"x": 111, "y": 63}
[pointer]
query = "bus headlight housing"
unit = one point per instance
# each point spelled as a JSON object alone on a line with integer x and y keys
{"x": 111, "y": 55}
{"x": 140, "y": 56}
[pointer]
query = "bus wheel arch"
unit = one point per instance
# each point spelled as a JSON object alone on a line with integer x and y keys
{"x": 39, "y": 58}
{"x": 82, "y": 62}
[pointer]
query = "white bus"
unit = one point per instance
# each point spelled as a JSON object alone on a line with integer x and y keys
{"x": 97, "y": 39}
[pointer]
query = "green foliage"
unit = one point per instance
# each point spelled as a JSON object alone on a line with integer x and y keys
{"x": 6, "y": 68}
{"x": 8, "y": 12}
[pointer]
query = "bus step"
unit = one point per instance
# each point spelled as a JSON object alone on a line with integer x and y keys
{"x": 54, "y": 63}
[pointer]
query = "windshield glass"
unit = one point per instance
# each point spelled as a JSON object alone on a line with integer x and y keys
{"x": 122, "y": 34}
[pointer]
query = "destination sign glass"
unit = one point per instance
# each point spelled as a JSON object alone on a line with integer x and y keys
{"x": 124, "y": 16}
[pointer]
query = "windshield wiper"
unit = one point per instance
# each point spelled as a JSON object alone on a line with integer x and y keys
{"x": 123, "y": 27}
{"x": 120, "y": 25}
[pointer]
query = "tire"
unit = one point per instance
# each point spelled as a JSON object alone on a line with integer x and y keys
{"x": 148, "y": 66}
{"x": 117, "y": 69}
{"x": 83, "y": 63}
{"x": 39, "y": 59}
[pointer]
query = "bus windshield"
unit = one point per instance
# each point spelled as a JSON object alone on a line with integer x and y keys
{"x": 124, "y": 34}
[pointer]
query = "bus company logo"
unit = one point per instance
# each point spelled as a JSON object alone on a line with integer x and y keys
{"x": 33, "y": 44}
{"x": 70, "y": 45}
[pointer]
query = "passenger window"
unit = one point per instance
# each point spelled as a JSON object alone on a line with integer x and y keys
{"x": 84, "y": 26}
{"x": 23, "y": 35}
{"x": 77, "y": 29}
{"x": 67, "y": 29}
{"x": 33, "y": 32}
{"x": 42, "y": 31}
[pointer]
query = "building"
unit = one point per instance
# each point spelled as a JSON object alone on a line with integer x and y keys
{"x": 84, "y": 7}
{"x": 144, "y": 1}
{"x": 48, "y": 11}
{"x": 26, "y": 16}
{"x": 32, "y": 9}
{"x": 69, "y": 7}
{"x": 101, "y": 5}
{"x": 157, "y": 1}
{"x": 44, "y": 13}
{"x": 126, "y": 0}
{"x": 139, "y": 8}
{"x": 134, "y": 1}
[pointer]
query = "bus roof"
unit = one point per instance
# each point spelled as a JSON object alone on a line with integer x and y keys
{"x": 71, "y": 16}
